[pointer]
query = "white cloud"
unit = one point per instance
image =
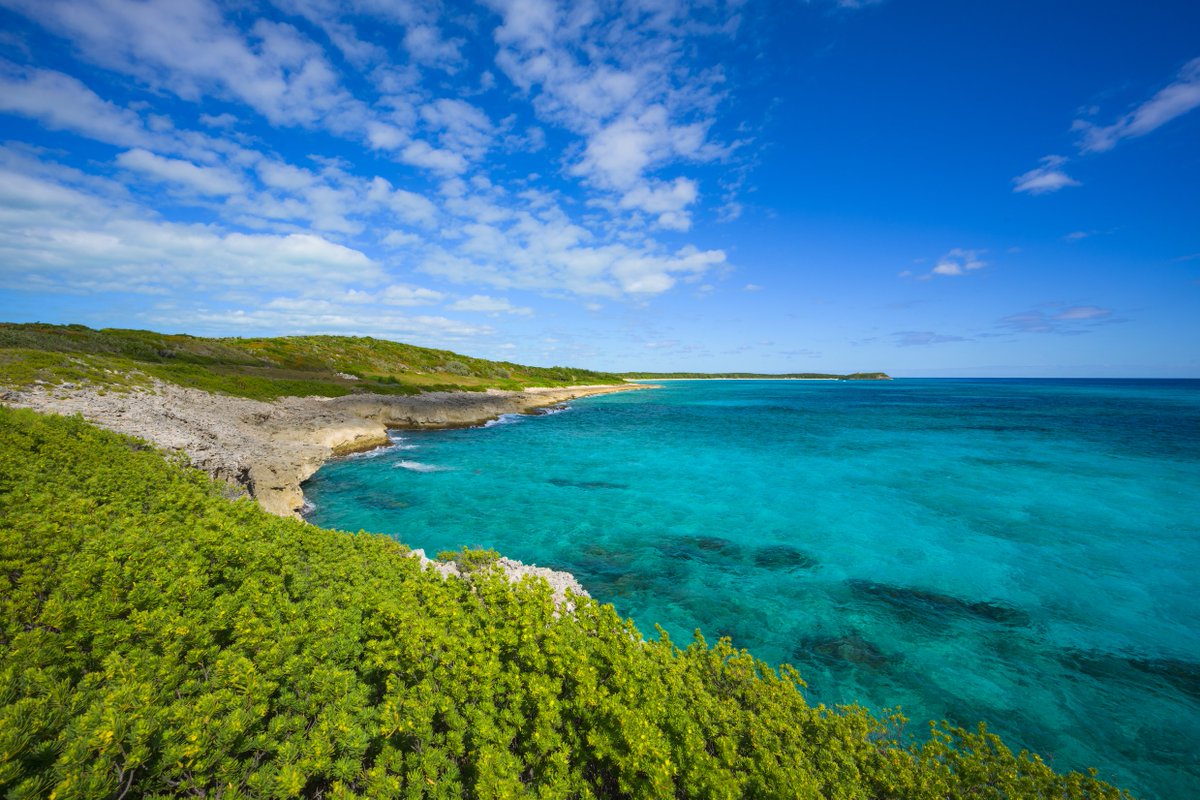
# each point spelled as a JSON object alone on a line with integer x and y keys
{"x": 280, "y": 175}
{"x": 667, "y": 200}
{"x": 54, "y": 237}
{"x": 1174, "y": 100}
{"x": 550, "y": 253}
{"x": 408, "y": 206}
{"x": 461, "y": 127}
{"x": 625, "y": 83}
{"x": 958, "y": 262}
{"x": 61, "y": 102}
{"x": 399, "y": 239}
{"x": 188, "y": 48}
{"x": 489, "y": 305}
{"x": 326, "y": 15}
{"x": 422, "y": 154}
{"x": 218, "y": 120}
{"x": 402, "y": 295}
{"x": 211, "y": 181}
{"x": 425, "y": 45}
{"x": 1046, "y": 178}
{"x": 384, "y": 136}
{"x": 619, "y": 153}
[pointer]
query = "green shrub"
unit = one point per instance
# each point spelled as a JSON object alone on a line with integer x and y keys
{"x": 456, "y": 368}
{"x": 469, "y": 560}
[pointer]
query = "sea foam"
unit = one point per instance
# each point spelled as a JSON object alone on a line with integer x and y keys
{"x": 503, "y": 419}
{"x": 417, "y": 466}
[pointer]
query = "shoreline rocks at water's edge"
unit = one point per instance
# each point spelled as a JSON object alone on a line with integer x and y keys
{"x": 267, "y": 450}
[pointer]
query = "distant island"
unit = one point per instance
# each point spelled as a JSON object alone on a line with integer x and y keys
{"x": 761, "y": 376}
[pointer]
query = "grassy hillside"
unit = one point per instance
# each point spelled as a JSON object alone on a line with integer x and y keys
{"x": 257, "y": 368}
{"x": 159, "y": 641}
{"x": 853, "y": 376}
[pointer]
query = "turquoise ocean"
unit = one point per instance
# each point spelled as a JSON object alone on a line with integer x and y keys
{"x": 1025, "y": 552}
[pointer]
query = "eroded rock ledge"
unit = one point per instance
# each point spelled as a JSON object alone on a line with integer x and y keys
{"x": 269, "y": 449}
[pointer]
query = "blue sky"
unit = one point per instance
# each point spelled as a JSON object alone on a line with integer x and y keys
{"x": 927, "y": 188}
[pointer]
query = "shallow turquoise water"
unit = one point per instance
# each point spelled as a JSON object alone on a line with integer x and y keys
{"x": 1020, "y": 551}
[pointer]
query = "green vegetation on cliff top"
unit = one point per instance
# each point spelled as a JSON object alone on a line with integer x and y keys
{"x": 262, "y": 369}
{"x": 157, "y": 640}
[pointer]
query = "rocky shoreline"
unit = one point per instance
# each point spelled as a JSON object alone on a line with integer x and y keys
{"x": 267, "y": 450}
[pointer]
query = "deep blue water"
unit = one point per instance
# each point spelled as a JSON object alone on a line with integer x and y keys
{"x": 1025, "y": 552}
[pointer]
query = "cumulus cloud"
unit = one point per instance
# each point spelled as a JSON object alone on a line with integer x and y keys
{"x": 422, "y": 154}
{"x": 407, "y": 206}
{"x": 957, "y": 262}
{"x": 1174, "y": 100}
{"x": 403, "y": 295}
{"x": 425, "y": 45}
{"x": 555, "y": 254}
{"x": 1049, "y": 177}
{"x": 60, "y": 238}
{"x": 218, "y": 120}
{"x": 666, "y": 200}
{"x": 461, "y": 127}
{"x": 619, "y": 153}
{"x": 187, "y": 47}
{"x": 622, "y": 83}
{"x": 213, "y": 181}
{"x": 63, "y": 103}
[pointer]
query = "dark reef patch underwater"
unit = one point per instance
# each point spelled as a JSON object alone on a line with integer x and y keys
{"x": 1017, "y": 551}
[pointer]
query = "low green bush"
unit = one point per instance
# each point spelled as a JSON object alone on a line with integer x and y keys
{"x": 157, "y": 640}
{"x": 470, "y": 560}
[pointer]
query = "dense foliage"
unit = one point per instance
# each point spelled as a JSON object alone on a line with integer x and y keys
{"x": 262, "y": 369}
{"x": 808, "y": 376}
{"x": 156, "y": 640}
